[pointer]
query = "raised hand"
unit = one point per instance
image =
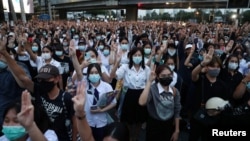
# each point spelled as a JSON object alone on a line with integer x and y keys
{"x": 229, "y": 45}
{"x": 3, "y": 43}
{"x": 208, "y": 56}
{"x": 152, "y": 74}
{"x": 26, "y": 116}
{"x": 72, "y": 49}
{"x": 79, "y": 99}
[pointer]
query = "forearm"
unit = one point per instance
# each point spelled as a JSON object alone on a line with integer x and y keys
{"x": 110, "y": 106}
{"x": 77, "y": 67}
{"x": 240, "y": 89}
{"x": 74, "y": 129}
{"x": 84, "y": 129}
{"x": 196, "y": 71}
{"x": 187, "y": 61}
{"x": 177, "y": 125}
{"x": 35, "y": 134}
{"x": 113, "y": 71}
{"x": 144, "y": 96}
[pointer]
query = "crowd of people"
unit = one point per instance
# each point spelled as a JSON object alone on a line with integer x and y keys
{"x": 53, "y": 75}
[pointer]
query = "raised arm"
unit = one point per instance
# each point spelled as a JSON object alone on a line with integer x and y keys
{"x": 26, "y": 118}
{"x": 79, "y": 103}
{"x": 16, "y": 70}
{"x": 207, "y": 58}
{"x": 144, "y": 96}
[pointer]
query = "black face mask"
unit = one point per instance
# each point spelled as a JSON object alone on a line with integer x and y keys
{"x": 165, "y": 81}
{"x": 46, "y": 87}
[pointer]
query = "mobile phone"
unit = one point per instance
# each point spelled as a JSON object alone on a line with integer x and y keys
{"x": 94, "y": 107}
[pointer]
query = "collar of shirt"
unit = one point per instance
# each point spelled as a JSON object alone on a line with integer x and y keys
{"x": 161, "y": 89}
{"x": 133, "y": 68}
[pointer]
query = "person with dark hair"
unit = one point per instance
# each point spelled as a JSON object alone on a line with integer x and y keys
{"x": 135, "y": 75}
{"x": 57, "y": 103}
{"x": 97, "y": 114}
{"x": 230, "y": 74}
{"x": 207, "y": 85}
{"x": 66, "y": 64}
{"x": 115, "y": 131}
{"x": 21, "y": 124}
{"x": 163, "y": 106}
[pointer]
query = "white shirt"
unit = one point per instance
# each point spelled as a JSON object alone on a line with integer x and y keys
{"x": 105, "y": 60}
{"x": 50, "y": 135}
{"x": 133, "y": 79}
{"x": 98, "y": 119}
{"x": 124, "y": 58}
{"x": 41, "y": 62}
{"x": 174, "y": 79}
{"x": 161, "y": 89}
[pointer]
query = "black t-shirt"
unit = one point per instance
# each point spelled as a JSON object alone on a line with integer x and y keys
{"x": 216, "y": 89}
{"x": 232, "y": 81}
{"x": 55, "y": 110}
{"x": 67, "y": 66}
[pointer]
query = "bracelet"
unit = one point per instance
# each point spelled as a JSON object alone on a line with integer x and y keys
{"x": 202, "y": 65}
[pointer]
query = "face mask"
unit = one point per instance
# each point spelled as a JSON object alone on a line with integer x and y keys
{"x": 46, "y": 87}
{"x": 87, "y": 56}
{"x": 34, "y": 48}
{"x": 164, "y": 41}
{"x": 218, "y": 51}
{"x": 92, "y": 61}
{"x": 72, "y": 29}
{"x": 172, "y": 67}
{"x": 3, "y": 65}
{"x": 14, "y": 132}
{"x": 248, "y": 85}
{"x": 64, "y": 35}
{"x": 46, "y": 56}
{"x": 213, "y": 72}
{"x": 94, "y": 78}
{"x": 82, "y": 47}
{"x": 171, "y": 52}
{"x": 76, "y": 37}
{"x": 101, "y": 47}
{"x": 59, "y": 53}
{"x": 98, "y": 37}
{"x": 124, "y": 46}
{"x": 44, "y": 33}
{"x": 147, "y": 51}
{"x": 137, "y": 60}
{"x": 106, "y": 52}
{"x": 65, "y": 44}
{"x": 165, "y": 81}
{"x": 176, "y": 43}
{"x": 200, "y": 57}
{"x": 232, "y": 66}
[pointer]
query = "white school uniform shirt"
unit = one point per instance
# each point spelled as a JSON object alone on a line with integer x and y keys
{"x": 174, "y": 81}
{"x": 50, "y": 135}
{"x": 104, "y": 60}
{"x": 41, "y": 62}
{"x": 97, "y": 120}
{"x": 133, "y": 79}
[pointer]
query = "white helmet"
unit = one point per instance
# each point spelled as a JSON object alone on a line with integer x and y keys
{"x": 216, "y": 103}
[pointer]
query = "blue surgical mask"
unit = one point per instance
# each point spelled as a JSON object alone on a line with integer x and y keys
{"x": 200, "y": 57}
{"x": 213, "y": 72}
{"x": 124, "y": 46}
{"x": 137, "y": 59}
{"x": 248, "y": 85}
{"x": 59, "y": 53}
{"x": 101, "y": 47}
{"x": 171, "y": 52}
{"x": 87, "y": 56}
{"x": 106, "y": 52}
{"x": 34, "y": 48}
{"x": 82, "y": 47}
{"x": 98, "y": 37}
{"x": 94, "y": 78}
{"x": 92, "y": 61}
{"x": 14, "y": 132}
{"x": 3, "y": 65}
{"x": 147, "y": 51}
{"x": 232, "y": 66}
{"x": 65, "y": 44}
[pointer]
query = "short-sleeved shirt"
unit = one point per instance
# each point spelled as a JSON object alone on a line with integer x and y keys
{"x": 98, "y": 119}
{"x": 55, "y": 110}
{"x": 41, "y": 62}
{"x": 50, "y": 135}
{"x": 133, "y": 79}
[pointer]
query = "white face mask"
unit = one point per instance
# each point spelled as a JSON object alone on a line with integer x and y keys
{"x": 171, "y": 52}
{"x": 46, "y": 56}
{"x": 172, "y": 67}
